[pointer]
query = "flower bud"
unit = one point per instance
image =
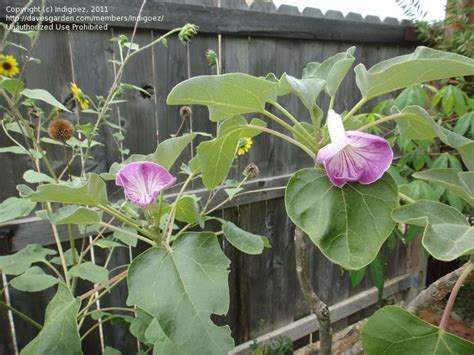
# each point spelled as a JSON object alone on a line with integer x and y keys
{"x": 187, "y": 32}
{"x": 61, "y": 129}
{"x": 211, "y": 57}
{"x": 186, "y": 112}
{"x": 251, "y": 171}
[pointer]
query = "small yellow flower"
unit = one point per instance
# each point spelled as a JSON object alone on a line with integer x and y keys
{"x": 76, "y": 91}
{"x": 8, "y": 65}
{"x": 84, "y": 103}
{"x": 79, "y": 96}
{"x": 244, "y": 145}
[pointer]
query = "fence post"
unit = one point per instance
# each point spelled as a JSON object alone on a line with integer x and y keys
{"x": 416, "y": 266}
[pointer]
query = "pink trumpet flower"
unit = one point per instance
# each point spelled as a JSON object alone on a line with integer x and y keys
{"x": 142, "y": 181}
{"x": 353, "y": 155}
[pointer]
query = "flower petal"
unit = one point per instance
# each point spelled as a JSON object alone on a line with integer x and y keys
{"x": 143, "y": 181}
{"x": 358, "y": 157}
{"x": 376, "y": 151}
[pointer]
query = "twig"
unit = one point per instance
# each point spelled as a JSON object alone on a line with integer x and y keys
{"x": 114, "y": 279}
{"x": 435, "y": 292}
{"x": 319, "y": 308}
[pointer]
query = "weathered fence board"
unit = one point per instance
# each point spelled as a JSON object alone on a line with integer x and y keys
{"x": 264, "y": 290}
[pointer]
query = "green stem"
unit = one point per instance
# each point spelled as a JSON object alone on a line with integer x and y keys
{"x": 22, "y": 315}
{"x": 284, "y": 137}
{"x": 356, "y": 107}
{"x": 106, "y": 309}
{"x": 123, "y": 218}
{"x": 382, "y": 120}
{"x": 406, "y": 198}
{"x": 293, "y": 119}
{"x": 124, "y": 231}
{"x": 296, "y": 133}
{"x": 72, "y": 242}
{"x": 173, "y": 209}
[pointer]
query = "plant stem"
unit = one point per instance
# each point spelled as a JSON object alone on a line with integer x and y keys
{"x": 382, "y": 120}
{"x": 22, "y": 315}
{"x": 124, "y": 231}
{"x": 292, "y": 118}
{"x": 286, "y": 138}
{"x": 116, "y": 278}
{"x": 319, "y": 308}
{"x": 452, "y": 297}
{"x": 57, "y": 239}
{"x": 173, "y": 209}
{"x": 406, "y": 198}
{"x": 285, "y": 125}
{"x": 354, "y": 109}
{"x": 123, "y": 218}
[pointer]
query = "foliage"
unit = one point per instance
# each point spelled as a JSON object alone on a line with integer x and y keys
{"x": 457, "y": 23}
{"x": 180, "y": 281}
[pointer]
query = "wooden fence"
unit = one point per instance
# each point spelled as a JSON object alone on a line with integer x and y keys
{"x": 265, "y": 296}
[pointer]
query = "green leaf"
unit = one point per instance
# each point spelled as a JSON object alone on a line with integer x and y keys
{"x": 33, "y": 280}
{"x": 425, "y": 64}
{"x": 43, "y": 95}
{"x": 12, "y": 85}
{"x": 306, "y": 89}
{"x": 111, "y": 351}
{"x": 357, "y": 276}
{"x": 451, "y": 179}
{"x": 246, "y": 242}
{"x": 60, "y": 334}
{"x": 216, "y": 156}
{"x": 74, "y": 214}
{"x": 348, "y": 225}
{"x": 18, "y": 263}
{"x": 187, "y": 210}
{"x": 13, "y": 149}
{"x": 464, "y": 122}
{"x": 89, "y": 191}
{"x": 225, "y": 95}
{"x": 68, "y": 256}
{"x": 125, "y": 238}
{"x": 394, "y": 331}
{"x": 175, "y": 288}
{"x": 15, "y": 207}
{"x": 34, "y": 177}
{"x": 333, "y": 70}
{"x": 377, "y": 275}
{"x": 447, "y": 233}
{"x": 169, "y": 150}
{"x": 416, "y": 123}
{"x": 90, "y": 272}
{"x": 412, "y": 96}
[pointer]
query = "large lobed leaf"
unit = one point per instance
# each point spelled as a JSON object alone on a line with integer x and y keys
{"x": 60, "y": 334}
{"x": 225, "y": 95}
{"x": 348, "y": 225}
{"x": 447, "y": 233}
{"x": 392, "y": 330}
{"x": 180, "y": 289}
{"x": 424, "y": 64}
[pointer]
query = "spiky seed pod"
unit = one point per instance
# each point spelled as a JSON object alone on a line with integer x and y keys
{"x": 251, "y": 171}
{"x": 186, "y": 112}
{"x": 61, "y": 129}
